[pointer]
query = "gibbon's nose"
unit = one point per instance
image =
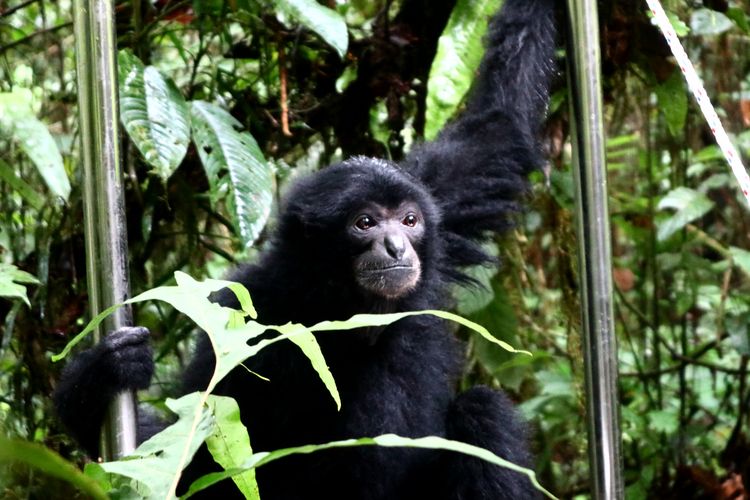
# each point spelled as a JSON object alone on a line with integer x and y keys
{"x": 394, "y": 245}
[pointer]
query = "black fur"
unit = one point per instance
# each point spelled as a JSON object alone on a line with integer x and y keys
{"x": 399, "y": 379}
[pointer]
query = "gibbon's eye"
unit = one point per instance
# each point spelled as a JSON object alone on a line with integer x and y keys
{"x": 364, "y": 222}
{"x": 410, "y": 220}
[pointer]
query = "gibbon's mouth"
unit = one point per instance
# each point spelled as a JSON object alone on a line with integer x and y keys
{"x": 391, "y": 281}
{"x": 397, "y": 267}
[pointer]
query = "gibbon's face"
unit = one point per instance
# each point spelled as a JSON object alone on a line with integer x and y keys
{"x": 388, "y": 264}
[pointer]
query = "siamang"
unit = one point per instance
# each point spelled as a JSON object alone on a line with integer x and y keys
{"x": 369, "y": 235}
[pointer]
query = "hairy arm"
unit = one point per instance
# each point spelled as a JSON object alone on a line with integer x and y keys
{"x": 122, "y": 361}
{"x": 477, "y": 166}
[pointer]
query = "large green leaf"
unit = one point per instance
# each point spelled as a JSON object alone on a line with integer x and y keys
{"x": 37, "y": 456}
{"x": 235, "y": 167}
{"x": 19, "y": 123}
{"x": 10, "y": 279}
{"x": 386, "y": 440}
{"x": 324, "y": 21}
{"x": 154, "y": 114}
{"x": 230, "y": 443}
{"x": 689, "y": 205}
{"x": 458, "y": 56}
{"x": 156, "y": 464}
{"x": 155, "y": 460}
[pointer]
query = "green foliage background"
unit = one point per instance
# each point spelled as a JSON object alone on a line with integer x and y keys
{"x": 211, "y": 145}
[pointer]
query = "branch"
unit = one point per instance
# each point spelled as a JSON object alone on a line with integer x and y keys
{"x": 10, "y": 10}
{"x": 28, "y": 38}
{"x": 284, "y": 101}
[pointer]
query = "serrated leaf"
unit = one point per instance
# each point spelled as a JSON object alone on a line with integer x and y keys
{"x": 689, "y": 205}
{"x": 154, "y": 114}
{"x": 10, "y": 277}
{"x": 324, "y": 21}
{"x": 673, "y": 102}
{"x": 234, "y": 164}
{"x": 708, "y": 22}
{"x": 157, "y": 463}
{"x": 230, "y": 443}
{"x": 19, "y": 123}
{"x": 458, "y": 56}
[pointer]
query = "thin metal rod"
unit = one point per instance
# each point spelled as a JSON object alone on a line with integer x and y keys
{"x": 104, "y": 214}
{"x": 595, "y": 257}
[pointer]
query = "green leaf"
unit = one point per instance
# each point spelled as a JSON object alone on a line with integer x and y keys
{"x": 10, "y": 277}
{"x": 708, "y": 22}
{"x": 230, "y": 443}
{"x": 324, "y": 21}
{"x": 500, "y": 317}
{"x": 470, "y": 299}
{"x": 154, "y": 114}
{"x": 663, "y": 421}
{"x": 365, "y": 320}
{"x": 49, "y": 462}
{"x": 248, "y": 182}
{"x": 690, "y": 205}
{"x": 458, "y": 56}
{"x": 709, "y": 153}
{"x": 157, "y": 463}
{"x": 737, "y": 14}
{"x": 673, "y": 102}
{"x": 386, "y": 440}
{"x": 19, "y": 123}
{"x": 680, "y": 28}
{"x": 230, "y": 342}
{"x": 20, "y": 186}
{"x": 741, "y": 259}
{"x": 347, "y": 77}
{"x": 243, "y": 297}
{"x": 189, "y": 296}
{"x": 303, "y": 338}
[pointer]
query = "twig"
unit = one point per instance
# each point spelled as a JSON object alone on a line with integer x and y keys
{"x": 685, "y": 360}
{"x": 708, "y": 241}
{"x": 28, "y": 38}
{"x": 216, "y": 249}
{"x": 196, "y": 62}
{"x": 284, "y": 102}
{"x": 638, "y": 366}
{"x": 10, "y": 10}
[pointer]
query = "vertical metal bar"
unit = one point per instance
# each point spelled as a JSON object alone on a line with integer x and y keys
{"x": 590, "y": 175}
{"x": 104, "y": 214}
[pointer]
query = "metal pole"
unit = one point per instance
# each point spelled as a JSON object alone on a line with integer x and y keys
{"x": 104, "y": 214}
{"x": 590, "y": 176}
